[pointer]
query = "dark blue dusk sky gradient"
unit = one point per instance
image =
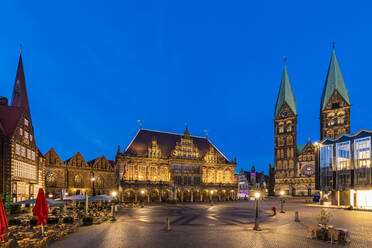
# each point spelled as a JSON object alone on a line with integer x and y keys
{"x": 93, "y": 68}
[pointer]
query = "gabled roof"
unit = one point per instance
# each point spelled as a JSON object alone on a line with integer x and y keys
{"x": 301, "y": 148}
{"x": 167, "y": 142}
{"x": 105, "y": 164}
{"x": 285, "y": 94}
{"x": 77, "y": 158}
{"x": 9, "y": 118}
{"x": 19, "y": 98}
{"x": 52, "y": 157}
{"x": 334, "y": 81}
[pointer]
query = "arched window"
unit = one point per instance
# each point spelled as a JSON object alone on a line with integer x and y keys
{"x": 285, "y": 164}
{"x": 99, "y": 182}
{"x": 211, "y": 175}
{"x": 280, "y": 165}
{"x": 164, "y": 174}
{"x": 291, "y": 164}
{"x": 289, "y": 140}
{"x": 288, "y": 153}
{"x": 78, "y": 181}
{"x": 227, "y": 176}
{"x": 282, "y": 153}
{"x": 278, "y": 153}
{"x": 50, "y": 180}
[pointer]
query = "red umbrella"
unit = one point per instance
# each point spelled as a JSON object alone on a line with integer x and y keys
{"x": 3, "y": 220}
{"x": 41, "y": 210}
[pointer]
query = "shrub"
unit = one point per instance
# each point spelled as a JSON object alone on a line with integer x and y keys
{"x": 52, "y": 221}
{"x": 88, "y": 220}
{"x": 68, "y": 220}
{"x": 15, "y": 209}
{"x": 14, "y": 222}
{"x": 33, "y": 222}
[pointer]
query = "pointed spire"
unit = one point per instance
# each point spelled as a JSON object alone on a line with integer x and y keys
{"x": 19, "y": 98}
{"x": 187, "y": 133}
{"x": 285, "y": 93}
{"x": 334, "y": 81}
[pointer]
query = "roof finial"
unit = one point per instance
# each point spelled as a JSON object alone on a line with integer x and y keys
{"x": 206, "y": 133}
{"x": 140, "y": 122}
{"x": 20, "y": 47}
{"x": 285, "y": 60}
{"x": 333, "y": 44}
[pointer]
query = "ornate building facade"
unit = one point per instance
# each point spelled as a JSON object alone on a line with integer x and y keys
{"x": 161, "y": 166}
{"x": 76, "y": 176}
{"x": 22, "y": 170}
{"x": 295, "y": 165}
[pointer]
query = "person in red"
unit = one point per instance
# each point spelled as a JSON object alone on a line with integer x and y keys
{"x": 274, "y": 210}
{"x": 41, "y": 210}
{"x": 3, "y": 220}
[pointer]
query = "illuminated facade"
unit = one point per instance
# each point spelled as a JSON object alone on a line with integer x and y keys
{"x": 295, "y": 165}
{"x": 76, "y": 176}
{"x": 161, "y": 166}
{"x": 22, "y": 170}
{"x": 345, "y": 170}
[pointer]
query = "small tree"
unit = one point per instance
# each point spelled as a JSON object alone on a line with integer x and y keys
{"x": 324, "y": 217}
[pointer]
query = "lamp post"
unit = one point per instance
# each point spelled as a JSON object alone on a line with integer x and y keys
{"x": 212, "y": 197}
{"x": 257, "y": 224}
{"x": 143, "y": 201}
{"x": 93, "y": 180}
{"x": 281, "y": 201}
{"x": 114, "y": 193}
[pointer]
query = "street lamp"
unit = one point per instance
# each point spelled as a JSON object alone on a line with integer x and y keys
{"x": 114, "y": 194}
{"x": 256, "y": 224}
{"x": 93, "y": 179}
{"x": 50, "y": 195}
{"x": 281, "y": 201}
{"x": 142, "y": 199}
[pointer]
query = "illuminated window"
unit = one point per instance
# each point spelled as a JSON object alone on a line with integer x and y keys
{"x": 343, "y": 155}
{"x": 23, "y": 151}
{"x": 362, "y": 152}
{"x": 26, "y": 122}
{"x": 18, "y": 149}
{"x": 20, "y": 131}
{"x": 281, "y": 129}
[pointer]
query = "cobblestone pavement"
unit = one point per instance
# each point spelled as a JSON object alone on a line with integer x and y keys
{"x": 221, "y": 225}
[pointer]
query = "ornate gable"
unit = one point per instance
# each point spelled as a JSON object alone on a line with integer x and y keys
{"x": 336, "y": 101}
{"x": 100, "y": 163}
{"x": 211, "y": 156}
{"x": 77, "y": 161}
{"x": 154, "y": 151}
{"x": 186, "y": 149}
{"x": 52, "y": 158}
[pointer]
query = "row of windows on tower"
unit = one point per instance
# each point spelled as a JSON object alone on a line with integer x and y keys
{"x": 282, "y": 141}
{"x": 285, "y": 154}
{"x": 339, "y": 120}
{"x": 283, "y": 129}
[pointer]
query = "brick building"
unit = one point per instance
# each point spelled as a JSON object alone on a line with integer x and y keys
{"x": 75, "y": 175}
{"x": 22, "y": 171}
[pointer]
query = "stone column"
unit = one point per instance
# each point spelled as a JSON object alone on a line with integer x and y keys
{"x": 148, "y": 196}
{"x": 175, "y": 193}
{"x": 135, "y": 196}
{"x": 219, "y": 195}
{"x": 192, "y": 196}
{"x": 201, "y": 196}
{"x": 181, "y": 196}
{"x": 160, "y": 195}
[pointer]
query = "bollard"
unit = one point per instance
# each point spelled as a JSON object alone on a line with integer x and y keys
{"x": 297, "y": 219}
{"x": 168, "y": 224}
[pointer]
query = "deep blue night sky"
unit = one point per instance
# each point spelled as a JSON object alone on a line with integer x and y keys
{"x": 93, "y": 68}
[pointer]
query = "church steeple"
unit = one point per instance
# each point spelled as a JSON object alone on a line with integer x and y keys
{"x": 19, "y": 98}
{"x": 335, "y": 103}
{"x": 285, "y": 94}
{"x": 334, "y": 81}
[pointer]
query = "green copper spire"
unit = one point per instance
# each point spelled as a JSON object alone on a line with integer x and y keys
{"x": 285, "y": 94}
{"x": 334, "y": 81}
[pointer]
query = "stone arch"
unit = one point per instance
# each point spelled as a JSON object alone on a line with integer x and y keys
{"x": 187, "y": 195}
{"x": 154, "y": 195}
{"x": 129, "y": 195}
{"x": 166, "y": 194}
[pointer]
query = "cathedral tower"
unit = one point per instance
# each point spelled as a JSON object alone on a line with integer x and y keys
{"x": 335, "y": 103}
{"x": 285, "y": 122}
